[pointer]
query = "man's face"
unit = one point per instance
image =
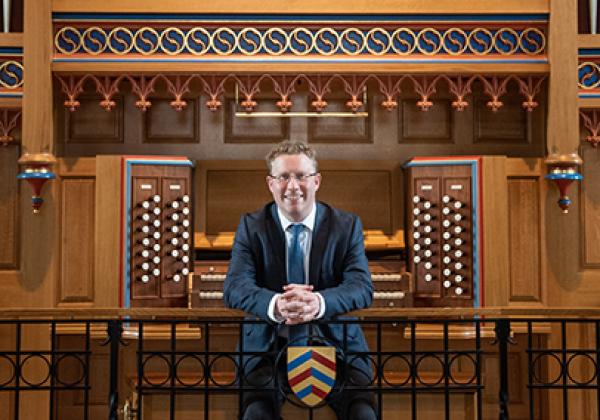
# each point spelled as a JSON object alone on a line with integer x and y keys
{"x": 294, "y": 183}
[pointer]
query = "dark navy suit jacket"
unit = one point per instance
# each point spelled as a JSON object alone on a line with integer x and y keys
{"x": 338, "y": 269}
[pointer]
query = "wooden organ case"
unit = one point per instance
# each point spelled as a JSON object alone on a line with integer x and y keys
{"x": 442, "y": 221}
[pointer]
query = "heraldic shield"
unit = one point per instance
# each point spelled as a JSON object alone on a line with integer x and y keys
{"x": 311, "y": 372}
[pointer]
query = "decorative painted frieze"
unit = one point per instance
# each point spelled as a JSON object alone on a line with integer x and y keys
{"x": 397, "y": 38}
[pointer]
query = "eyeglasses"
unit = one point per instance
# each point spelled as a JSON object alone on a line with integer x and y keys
{"x": 285, "y": 178}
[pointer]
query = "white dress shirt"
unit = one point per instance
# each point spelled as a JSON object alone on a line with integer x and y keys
{"x": 305, "y": 245}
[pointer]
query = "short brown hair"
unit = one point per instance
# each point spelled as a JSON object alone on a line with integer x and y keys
{"x": 289, "y": 147}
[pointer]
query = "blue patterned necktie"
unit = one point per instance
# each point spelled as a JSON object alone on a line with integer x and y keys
{"x": 295, "y": 274}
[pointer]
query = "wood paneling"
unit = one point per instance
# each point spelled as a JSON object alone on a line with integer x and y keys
{"x": 163, "y": 124}
{"x": 93, "y": 124}
{"x": 9, "y": 206}
{"x": 39, "y": 232}
{"x": 107, "y": 228}
{"x": 524, "y": 167}
{"x": 341, "y": 129}
{"x": 261, "y": 67}
{"x": 434, "y": 125}
{"x": 11, "y": 39}
{"x": 525, "y": 240}
{"x": 518, "y": 396}
{"x": 509, "y": 124}
{"x": 563, "y": 118}
{"x": 517, "y": 368}
{"x": 37, "y": 92}
{"x": 70, "y": 404}
{"x": 231, "y": 193}
{"x": 590, "y": 208}
{"x": 77, "y": 241}
{"x": 494, "y": 252}
{"x": 254, "y": 129}
{"x": 307, "y": 6}
{"x": 202, "y": 134}
{"x": 227, "y": 189}
{"x": 367, "y": 193}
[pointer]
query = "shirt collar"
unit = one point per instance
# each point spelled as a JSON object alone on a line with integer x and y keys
{"x": 309, "y": 221}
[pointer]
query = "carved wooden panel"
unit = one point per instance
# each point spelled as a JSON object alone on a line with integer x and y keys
{"x": 165, "y": 125}
{"x": 434, "y": 125}
{"x": 509, "y": 124}
{"x": 92, "y": 124}
{"x": 241, "y": 129}
{"x": 524, "y": 239}
{"x": 590, "y": 217}
{"x": 77, "y": 240}
{"x": 341, "y": 129}
{"x": 9, "y": 202}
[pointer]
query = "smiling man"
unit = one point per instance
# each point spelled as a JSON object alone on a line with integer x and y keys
{"x": 294, "y": 261}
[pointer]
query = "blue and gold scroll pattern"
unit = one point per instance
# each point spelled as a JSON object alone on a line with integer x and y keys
{"x": 11, "y": 71}
{"x": 300, "y": 41}
{"x": 11, "y": 74}
{"x": 589, "y": 75}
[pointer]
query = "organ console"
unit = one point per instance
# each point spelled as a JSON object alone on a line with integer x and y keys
{"x": 154, "y": 219}
{"x": 390, "y": 281}
{"x": 206, "y": 285}
{"x": 161, "y": 252}
{"x": 439, "y": 266}
{"x": 440, "y": 236}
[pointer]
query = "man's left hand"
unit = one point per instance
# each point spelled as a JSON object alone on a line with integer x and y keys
{"x": 306, "y": 303}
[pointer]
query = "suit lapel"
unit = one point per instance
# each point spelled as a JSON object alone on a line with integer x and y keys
{"x": 276, "y": 239}
{"x": 319, "y": 243}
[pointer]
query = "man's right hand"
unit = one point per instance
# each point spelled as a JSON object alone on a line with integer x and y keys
{"x": 298, "y": 304}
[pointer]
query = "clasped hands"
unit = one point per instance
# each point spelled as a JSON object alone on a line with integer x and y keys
{"x": 297, "y": 304}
